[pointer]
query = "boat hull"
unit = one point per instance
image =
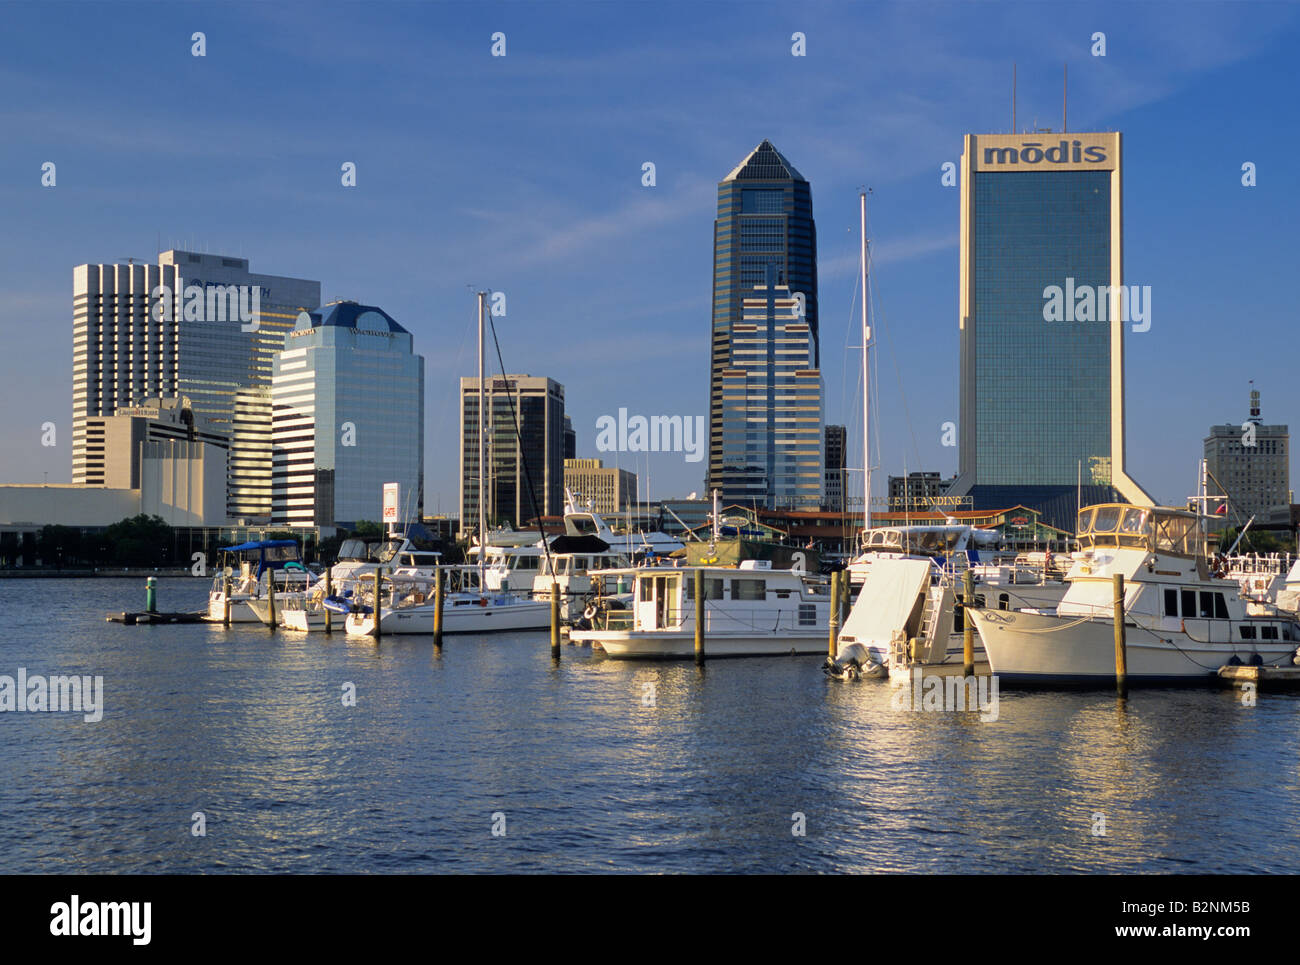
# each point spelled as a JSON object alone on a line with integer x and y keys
{"x": 1036, "y": 647}
{"x": 240, "y": 611}
{"x": 679, "y": 645}
{"x": 521, "y": 615}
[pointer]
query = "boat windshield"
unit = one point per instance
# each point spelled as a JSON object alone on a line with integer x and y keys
{"x": 1161, "y": 531}
{"x": 353, "y": 551}
{"x": 385, "y": 551}
{"x": 582, "y": 525}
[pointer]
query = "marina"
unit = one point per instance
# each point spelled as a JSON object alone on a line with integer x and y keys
{"x": 250, "y": 728}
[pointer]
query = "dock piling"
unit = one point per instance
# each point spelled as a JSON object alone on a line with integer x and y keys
{"x": 151, "y": 595}
{"x": 968, "y": 627}
{"x": 270, "y": 599}
{"x": 379, "y": 579}
{"x": 225, "y": 597}
{"x": 437, "y": 609}
{"x": 1121, "y": 639}
{"x": 555, "y": 620}
{"x": 699, "y": 617}
{"x": 833, "y": 646}
{"x": 329, "y": 614}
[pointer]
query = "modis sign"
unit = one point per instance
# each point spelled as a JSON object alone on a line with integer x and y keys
{"x": 1050, "y": 152}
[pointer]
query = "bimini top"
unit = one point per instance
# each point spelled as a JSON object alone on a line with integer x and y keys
{"x": 364, "y": 318}
{"x": 271, "y": 554}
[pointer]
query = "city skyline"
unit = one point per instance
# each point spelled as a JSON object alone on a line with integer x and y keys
{"x": 608, "y": 278}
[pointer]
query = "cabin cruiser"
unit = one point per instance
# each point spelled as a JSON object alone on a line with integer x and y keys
{"x": 906, "y": 612}
{"x": 575, "y": 566}
{"x": 750, "y": 610}
{"x": 358, "y": 558}
{"x": 248, "y": 571}
{"x": 1182, "y": 621}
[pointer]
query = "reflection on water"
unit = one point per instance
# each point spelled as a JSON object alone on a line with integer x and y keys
{"x": 596, "y": 764}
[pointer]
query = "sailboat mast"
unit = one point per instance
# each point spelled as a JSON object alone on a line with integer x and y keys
{"x": 482, "y": 449}
{"x": 866, "y": 396}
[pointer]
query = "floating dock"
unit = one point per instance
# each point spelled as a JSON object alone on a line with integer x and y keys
{"x": 144, "y": 616}
{"x": 1275, "y": 676}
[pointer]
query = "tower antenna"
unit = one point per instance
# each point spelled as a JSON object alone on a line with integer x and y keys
{"x": 1065, "y": 98}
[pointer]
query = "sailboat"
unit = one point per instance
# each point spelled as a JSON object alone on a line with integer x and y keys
{"x": 473, "y": 610}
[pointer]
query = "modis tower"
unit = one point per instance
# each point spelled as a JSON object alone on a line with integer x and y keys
{"x": 1042, "y": 401}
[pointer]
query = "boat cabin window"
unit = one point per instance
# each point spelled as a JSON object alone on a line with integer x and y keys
{"x": 1207, "y": 605}
{"x": 1176, "y": 534}
{"x": 1171, "y": 602}
{"x": 1268, "y": 633}
{"x": 1189, "y": 603}
{"x": 582, "y": 525}
{"x": 1220, "y": 607}
{"x": 807, "y": 614}
{"x": 1107, "y": 519}
{"x": 712, "y": 588}
{"x": 1286, "y": 632}
{"x": 1247, "y": 633}
{"x": 1004, "y": 601}
{"x": 749, "y": 589}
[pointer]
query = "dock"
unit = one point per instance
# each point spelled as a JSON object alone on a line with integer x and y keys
{"x": 1275, "y": 676}
{"x": 144, "y": 616}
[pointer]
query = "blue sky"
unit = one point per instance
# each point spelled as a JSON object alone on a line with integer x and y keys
{"x": 523, "y": 174}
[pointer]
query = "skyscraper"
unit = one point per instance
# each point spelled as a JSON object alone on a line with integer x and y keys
{"x": 176, "y": 329}
{"x": 348, "y": 416}
{"x": 764, "y": 289}
{"x": 538, "y": 402}
{"x": 835, "y": 450}
{"x": 1042, "y": 396}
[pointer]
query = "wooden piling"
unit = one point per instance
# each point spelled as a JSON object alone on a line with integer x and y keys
{"x": 379, "y": 579}
{"x": 699, "y": 616}
{"x": 270, "y": 598}
{"x": 968, "y": 625}
{"x": 555, "y": 620}
{"x": 833, "y": 646}
{"x": 329, "y": 614}
{"x": 225, "y": 597}
{"x": 437, "y": 608}
{"x": 1121, "y": 640}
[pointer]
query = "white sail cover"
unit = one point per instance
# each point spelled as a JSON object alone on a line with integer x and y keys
{"x": 887, "y": 598}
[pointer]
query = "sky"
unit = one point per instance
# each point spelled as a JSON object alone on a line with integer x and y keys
{"x": 523, "y": 174}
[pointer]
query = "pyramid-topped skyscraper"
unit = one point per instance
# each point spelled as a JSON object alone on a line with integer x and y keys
{"x": 765, "y": 396}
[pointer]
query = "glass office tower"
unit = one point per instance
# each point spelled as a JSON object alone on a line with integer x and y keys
{"x": 535, "y": 453}
{"x": 764, "y": 230}
{"x": 126, "y": 348}
{"x": 348, "y": 416}
{"x": 1042, "y": 398}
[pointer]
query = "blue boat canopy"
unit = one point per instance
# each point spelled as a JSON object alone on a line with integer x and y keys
{"x": 260, "y": 544}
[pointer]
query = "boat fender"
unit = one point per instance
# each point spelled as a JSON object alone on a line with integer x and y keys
{"x": 1234, "y": 661}
{"x": 482, "y": 601}
{"x": 1256, "y": 660}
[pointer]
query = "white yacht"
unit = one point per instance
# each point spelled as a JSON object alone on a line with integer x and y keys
{"x": 1182, "y": 622}
{"x": 750, "y": 610}
{"x": 358, "y": 558}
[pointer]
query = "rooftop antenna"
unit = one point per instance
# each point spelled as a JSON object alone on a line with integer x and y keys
{"x": 1013, "y": 98}
{"x": 1065, "y": 98}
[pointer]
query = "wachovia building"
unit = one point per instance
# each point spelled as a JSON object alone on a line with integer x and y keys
{"x": 1042, "y": 381}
